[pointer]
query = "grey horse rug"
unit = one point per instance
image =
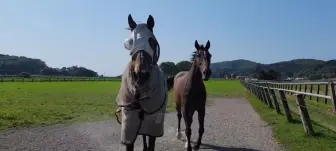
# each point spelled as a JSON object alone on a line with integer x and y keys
{"x": 156, "y": 93}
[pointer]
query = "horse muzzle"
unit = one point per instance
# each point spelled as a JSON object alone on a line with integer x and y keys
{"x": 142, "y": 77}
{"x": 206, "y": 75}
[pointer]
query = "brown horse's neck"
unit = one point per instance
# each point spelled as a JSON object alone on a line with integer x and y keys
{"x": 194, "y": 75}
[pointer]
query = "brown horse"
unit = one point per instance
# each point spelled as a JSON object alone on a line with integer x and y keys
{"x": 190, "y": 93}
{"x": 145, "y": 52}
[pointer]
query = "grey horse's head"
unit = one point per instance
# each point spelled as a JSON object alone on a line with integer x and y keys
{"x": 143, "y": 48}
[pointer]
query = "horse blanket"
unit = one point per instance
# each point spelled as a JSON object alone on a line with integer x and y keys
{"x": 152, "y": 124}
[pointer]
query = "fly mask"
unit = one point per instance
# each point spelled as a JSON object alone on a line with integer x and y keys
{"x": 143, "y": 48}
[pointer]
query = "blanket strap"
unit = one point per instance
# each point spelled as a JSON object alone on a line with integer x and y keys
{"x": 136, "y": 105}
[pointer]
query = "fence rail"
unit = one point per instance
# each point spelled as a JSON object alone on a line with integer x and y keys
{"x": 313, "y": 88}
{"x": 271, "y": 92}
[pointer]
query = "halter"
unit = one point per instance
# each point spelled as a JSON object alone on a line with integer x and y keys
{"x": 138, "y": 39}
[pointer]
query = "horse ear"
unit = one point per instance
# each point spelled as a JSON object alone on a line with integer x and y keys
{"x": 131, "y": 23}
{"x": 150, "y": 22}
{"x": 207, "y": 46}
{"x": 197, "y": 46}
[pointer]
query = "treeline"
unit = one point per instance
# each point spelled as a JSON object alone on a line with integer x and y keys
{"x": 24, "y": 66}
{"x": 170, "y": 68}
{"x": 326, "y": 70}
{"x": 263, "y": 74}
{"x": 311, "y": 69}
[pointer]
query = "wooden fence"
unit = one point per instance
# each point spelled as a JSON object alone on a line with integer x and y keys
{"x": 271, "y": 93}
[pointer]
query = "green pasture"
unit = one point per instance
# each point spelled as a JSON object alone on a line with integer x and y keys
{"x": 25, "y": 104}
{"x": 292, "y": 135}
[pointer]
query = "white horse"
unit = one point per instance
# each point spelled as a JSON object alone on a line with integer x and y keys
{"x": 142, "y": 97}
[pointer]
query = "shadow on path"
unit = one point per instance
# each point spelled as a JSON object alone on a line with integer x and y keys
{"x": 220, "y": 148}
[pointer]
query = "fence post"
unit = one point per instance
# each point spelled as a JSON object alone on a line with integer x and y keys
{"x": 305, "y": 88}
{"x": 263, "y": 94}
{"x": 311, "y": 91}
{"x": 318, "y": 92}
{"x": 259, "y": 93}
{"x": 333, "y": 96}
{"x": 306, "y": 122}
{"x": 275, "y": 101}
{"x": 326, "y": 93}
{"x": 268, "y": 98}
{"x": 285, "y": 105}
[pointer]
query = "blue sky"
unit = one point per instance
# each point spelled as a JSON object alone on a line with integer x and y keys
{"x": 91, "y": 33}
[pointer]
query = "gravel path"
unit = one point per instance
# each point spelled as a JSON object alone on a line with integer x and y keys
{"x": 230, "y": 125}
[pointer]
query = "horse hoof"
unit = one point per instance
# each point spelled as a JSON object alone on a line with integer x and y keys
{"x": 178, "y": 135}
{"x": 186, "y": 145}
{"x": 196, "y": 148}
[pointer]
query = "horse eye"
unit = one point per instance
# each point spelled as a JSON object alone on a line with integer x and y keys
{"x": 128, "y": 44}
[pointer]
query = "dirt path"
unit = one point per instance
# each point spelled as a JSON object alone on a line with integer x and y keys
{"x": 230, "y": 124}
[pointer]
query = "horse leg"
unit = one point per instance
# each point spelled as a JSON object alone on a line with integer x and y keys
{"x": 179, "y": 116}
{"x": 201, "y": 115}
{"x": 151, "y": 146}
{"x": 144, "y": 143}
{"x": 188, "y": 118}
{"x": 130, "y": 147}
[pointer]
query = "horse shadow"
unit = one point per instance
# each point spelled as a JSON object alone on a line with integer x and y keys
{"x": 221, "y": 148}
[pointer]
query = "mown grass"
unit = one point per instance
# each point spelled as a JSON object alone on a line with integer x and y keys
{"x": 319, "y": 112}
{"x": 25, "y": 104}
{"x": 292, "y": 135}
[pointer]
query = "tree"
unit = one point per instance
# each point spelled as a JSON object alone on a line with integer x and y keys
{"x": 184, "y": 65}
{"x": 266, "y": 75}
{"x": 23, "y": 66}
{"x": 169, "y": 68}
{"x": 272, "y": 75}
{"x": 24, "y": 75}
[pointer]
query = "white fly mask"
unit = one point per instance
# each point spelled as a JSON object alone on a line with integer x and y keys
{"x": 138, "y": 39}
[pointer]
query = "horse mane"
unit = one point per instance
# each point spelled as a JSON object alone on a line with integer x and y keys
{"x": 194, "y": 54}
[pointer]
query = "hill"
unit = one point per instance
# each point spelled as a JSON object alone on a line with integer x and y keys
{"x": 309, "y": 68}
{"x": 237, "y": 67}
{"x": 325, "y": 70}
{"x": 14, "y": 65}
{"x": 296, "y": 67}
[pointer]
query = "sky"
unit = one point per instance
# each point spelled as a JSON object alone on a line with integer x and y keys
{"x": 91, "y": 33}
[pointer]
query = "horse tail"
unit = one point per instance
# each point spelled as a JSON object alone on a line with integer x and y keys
{"x": 170, "y": 82}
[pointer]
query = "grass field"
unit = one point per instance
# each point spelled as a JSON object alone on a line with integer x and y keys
{"x": 292, "y": 135}
{"x": 34, "y": 104}
{"x": 25, "y": 104}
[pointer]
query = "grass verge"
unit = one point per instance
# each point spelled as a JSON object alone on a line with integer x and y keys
{"x": 292, "y": 135}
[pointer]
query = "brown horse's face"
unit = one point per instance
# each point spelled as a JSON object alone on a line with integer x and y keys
{"x": 203, "y": 59}
{"x": 142, "y": 46}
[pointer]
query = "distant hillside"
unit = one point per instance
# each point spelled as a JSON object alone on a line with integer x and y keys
{"x": 286, "y": 68}
{"x": 238, "y": 67}
{"x": 15, "y": 65}
{"x": 324, "y": 70}
{"x": 309, "y": 68}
